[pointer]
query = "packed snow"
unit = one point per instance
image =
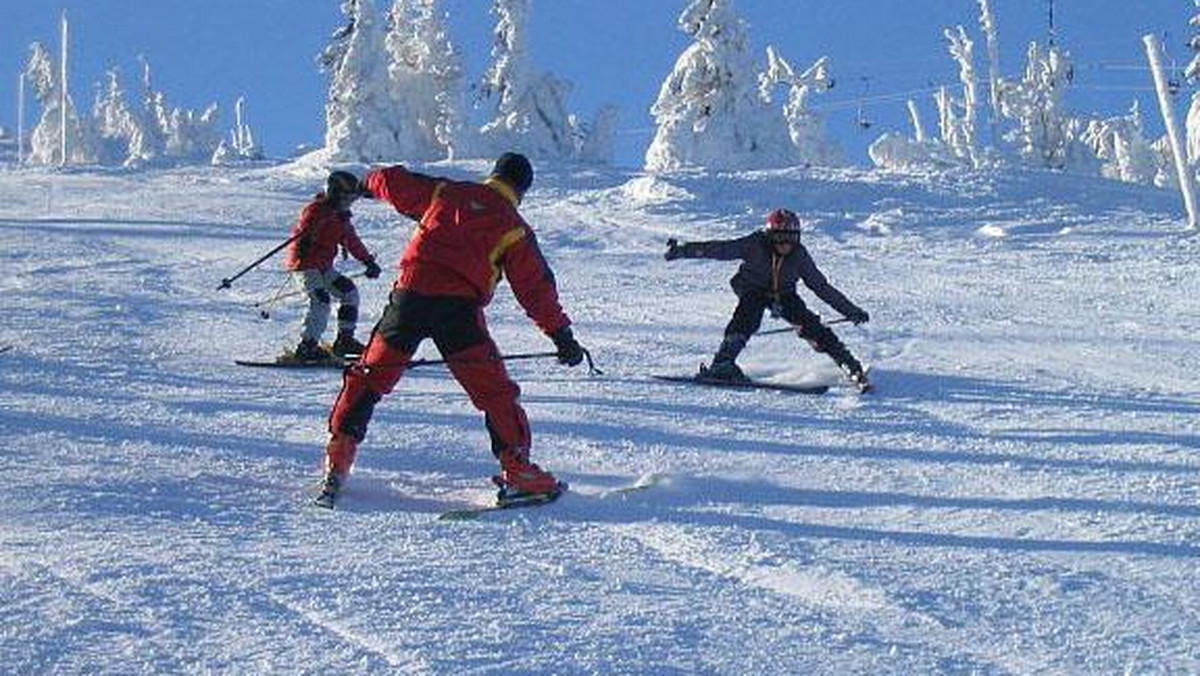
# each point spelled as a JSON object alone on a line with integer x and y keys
{"x": 1018, "y": 496}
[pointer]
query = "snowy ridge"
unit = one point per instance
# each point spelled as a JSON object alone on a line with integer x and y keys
{"x": 1020, "y": 495}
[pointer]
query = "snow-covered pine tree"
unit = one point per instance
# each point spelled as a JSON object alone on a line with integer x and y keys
{"x": 46, "y": 140}
{"x": 960, "y": 117}
{"x": 1121, "y": 145}
{"x": 805, "y": 127}
{"x": 242, "y": 145}
{"x": 1045, "y": 133}
{"x": 531, "y": 113}
{"x": 149, "y": 141}
{"x": 987, "y": 23}
{"x": 164, "y": 133}
{"x": 114, "y": 120}
{"x": 426, "y": 79}
{"x": 360, "y": 125}
{"x": 1192, "y": 74}
{"x": 710, "y": 111}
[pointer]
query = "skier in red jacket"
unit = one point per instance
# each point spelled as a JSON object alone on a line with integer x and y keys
{"x": 469, "y": 236}
{"x": 324, "y": 226}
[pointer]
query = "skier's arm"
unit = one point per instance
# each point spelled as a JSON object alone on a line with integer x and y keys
{"x": 532, "y": 281}
{"x": 354, "y": 245}
{"x": 719, "y": 249}
{"x": 819, "y": 285}
{"x": 409, "y": 192}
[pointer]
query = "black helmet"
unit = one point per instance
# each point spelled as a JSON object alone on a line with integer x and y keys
{"x": 342, "y": 184}
{"x": 515, "y": 170}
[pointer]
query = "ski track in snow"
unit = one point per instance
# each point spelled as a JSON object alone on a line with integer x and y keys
{"x": 1019, "y": 497}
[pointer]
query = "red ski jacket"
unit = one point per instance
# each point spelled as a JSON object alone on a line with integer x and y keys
{"x": 469, "y": 236}
{"x": 322, "y": 229}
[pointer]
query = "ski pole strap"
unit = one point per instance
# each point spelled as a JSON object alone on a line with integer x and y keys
{"x": 294, "y": 292}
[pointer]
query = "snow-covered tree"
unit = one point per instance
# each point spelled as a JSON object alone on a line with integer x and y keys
{"x": 360, "y": 125}
{"x": 174, "y": 134}
{"x": 242, "y": 145}
{"x": 805, "y": 127}
{"x": 114, "y": 120}
{"x": 426, "y": 79}
{"x": 596, "y": 146}
{"x": 1045, "y": 133}
{"x": 1120, "y": 143}
{"x": 531, "y": 112}
{"x": 710, "y": 111}
{"x": 960, "y": 117}
{"x": 46, "y": 140}
{"x": 987, "y": 23}
{"x": 1192, "y": 73}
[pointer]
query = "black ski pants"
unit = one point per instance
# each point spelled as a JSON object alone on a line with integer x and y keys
{"x": 747, "y": 318}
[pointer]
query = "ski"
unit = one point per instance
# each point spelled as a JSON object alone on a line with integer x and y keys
{"x": 289, "y": 360}
{"x": 747, "y": 384}
{"x": 529, "y": 500}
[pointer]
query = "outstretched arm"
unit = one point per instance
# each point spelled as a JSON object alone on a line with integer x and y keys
{"x": 719, "y": 249}
{"x": 819, "y": 285}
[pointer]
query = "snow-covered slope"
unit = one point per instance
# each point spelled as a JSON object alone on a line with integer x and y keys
{"x": 1019, "y": 496}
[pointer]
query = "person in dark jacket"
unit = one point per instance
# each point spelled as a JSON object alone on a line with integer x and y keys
{"x": 469, "y": 237}
{"x": 324, "y": 227}
{"x": 773, "y": 261}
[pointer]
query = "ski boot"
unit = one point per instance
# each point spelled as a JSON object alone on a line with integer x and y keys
{"x": 722, "y": 370}
{"x": 339, "y": 457}
{"x": 521, "y": 481}
{"x": 859, "y": 378}
{"x": 331, "y": 487}
{"x": 308, "y": 350}
{"x": 347, "y": 347}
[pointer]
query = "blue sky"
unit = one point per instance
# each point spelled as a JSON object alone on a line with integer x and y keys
{"x": 614, "y": 51}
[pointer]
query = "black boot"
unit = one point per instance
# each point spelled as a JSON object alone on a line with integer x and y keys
{"x": 724, "y": 366}
{"x": 347, "y": 346}
{"x": 308, "y": 350}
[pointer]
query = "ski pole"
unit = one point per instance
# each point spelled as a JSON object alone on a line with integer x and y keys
{"x": 228, "y": 281}
{"x": 793, "y": 328}
{"x": 592, "y": 370}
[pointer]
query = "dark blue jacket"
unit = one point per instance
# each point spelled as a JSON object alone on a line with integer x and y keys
{"x": 765, "y": 271}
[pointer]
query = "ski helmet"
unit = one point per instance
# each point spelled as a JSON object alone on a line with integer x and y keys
{"x": 783, "y": 225}
{"x": 342, "y": 184}
{"x": 515, "y": 170}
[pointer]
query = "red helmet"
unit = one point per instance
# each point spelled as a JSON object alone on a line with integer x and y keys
{"x": 783, "y": 225}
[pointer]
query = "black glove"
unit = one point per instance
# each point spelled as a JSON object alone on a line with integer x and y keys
{"x": 570, "y": 352}
{"x": 673, "y": 250}
{"x": 364, "y": 191}
{"x": 372, "y": 271}
{"x": 858, "y": 316}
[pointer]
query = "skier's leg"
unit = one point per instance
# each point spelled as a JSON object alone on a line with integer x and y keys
{"x": 316, "y": 316}
{"x": 343, "y": 288}
{"x": 481, "y": 372}
{"x": 819, "y": 336}
{"x": 747, "y": 317}
{"x": 392, "y": 344}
